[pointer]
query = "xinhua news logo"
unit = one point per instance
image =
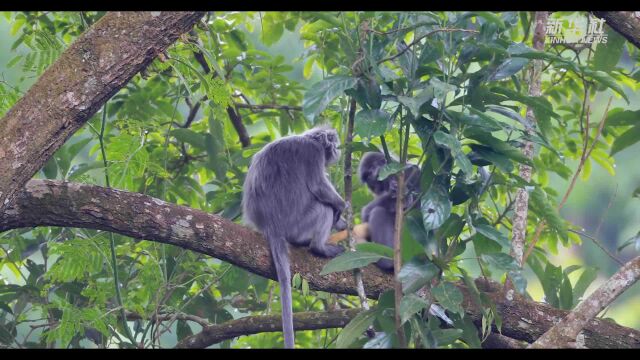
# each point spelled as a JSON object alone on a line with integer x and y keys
{"x": 576, "y": 30}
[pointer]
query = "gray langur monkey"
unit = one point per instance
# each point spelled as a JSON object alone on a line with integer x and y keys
{"x": 380, "y": 213}
{"x": 288, "y": 197}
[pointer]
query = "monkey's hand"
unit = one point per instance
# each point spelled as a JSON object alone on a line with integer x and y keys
{"x": 340, "y": 225}
{"x": 337, "y": 218}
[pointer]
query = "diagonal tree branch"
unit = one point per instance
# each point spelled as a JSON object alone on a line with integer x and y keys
{"x": 626, "y": 23}
{"x": 566, "y": 331}
{"x": 234, "y": 115}
{"x": 54, "y": 203}
{"x": 72, "y": 89}
{"x": 248, "y": 325}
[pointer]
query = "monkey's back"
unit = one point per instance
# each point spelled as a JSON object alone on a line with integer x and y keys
{"x": 275, "y": 188}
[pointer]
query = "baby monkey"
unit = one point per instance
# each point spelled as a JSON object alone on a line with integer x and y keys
{"x": 380, "y": 213}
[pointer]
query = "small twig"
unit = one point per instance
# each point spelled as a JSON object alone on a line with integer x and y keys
{"x": 420, "y": 38}
{"x": 606, "y": 211}
{"x": 348, "y": 190}
{"x": 256, "y": 107}
{"x": 598, "y": 244}
{"x": 585, "y": 155}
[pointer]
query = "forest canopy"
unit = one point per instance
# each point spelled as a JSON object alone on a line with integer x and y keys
{"x": 125, "y": 139}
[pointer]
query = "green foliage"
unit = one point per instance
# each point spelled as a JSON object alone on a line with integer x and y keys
{"x": 451, "y": 102}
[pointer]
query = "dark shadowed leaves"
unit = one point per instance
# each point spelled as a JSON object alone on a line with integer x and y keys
{"x": 371, "y": 123}
{"x": 416, "y": 274}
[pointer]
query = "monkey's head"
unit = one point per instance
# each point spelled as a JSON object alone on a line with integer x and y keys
{"x": 327, "y": 137}
{"x": 369, "y": 169}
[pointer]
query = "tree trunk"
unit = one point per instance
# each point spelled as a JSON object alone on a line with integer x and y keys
{"x": 71, "y": 90}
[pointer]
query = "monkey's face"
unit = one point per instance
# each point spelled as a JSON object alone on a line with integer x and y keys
{"x": 327, "y": 137}
{"x": 332, "y": 153}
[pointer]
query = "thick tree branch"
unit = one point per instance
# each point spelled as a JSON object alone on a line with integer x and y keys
{"x": 72, "y": 89}
{"x": 52, "y": 203}
{"x": 566, "y": 331}
{"x": 626, "y": 23}
{"x": 268, "y": 323}
{"x": 497, "y": 341}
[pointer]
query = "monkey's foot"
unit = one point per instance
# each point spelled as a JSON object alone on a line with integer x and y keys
{"x": 360, "y": 234}
{"x": 327, "y": 250}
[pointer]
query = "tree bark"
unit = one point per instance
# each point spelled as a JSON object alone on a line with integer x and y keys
{"x": 71, "y": 90}
{"x": 626, "y": 23}
{"x": 270, "y": 323}
{"x": 522, "y": 196}
{"x": 54, "y": 203}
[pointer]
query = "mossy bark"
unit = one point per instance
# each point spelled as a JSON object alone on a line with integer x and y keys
{"x": 71, "y": 90}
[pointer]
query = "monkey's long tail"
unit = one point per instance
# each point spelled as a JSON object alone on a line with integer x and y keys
{"x": 280, "y": 254}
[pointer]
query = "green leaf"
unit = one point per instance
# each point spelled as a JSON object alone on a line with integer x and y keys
{"x": 272, "y": 28}
{"x": 451, "y": 143}
{"x": 493, "y": 234}
{"x": 390, "y": 169}
{"x": 449, "y": 296}
{"x": 501, "y": 261}
{"x": 440, "y": 89}
{"x": 355, "y": 328}
{"x": 543, "y": 207}
{"x": 628, "y": 138}
{"x": 498, "y": 146}
{"x": 371, "y": 123}
{"x": 446, "y": 336}
{"x": 322, "y": 93}
{"x": 608, "y": 54}
{"x": 606, "y": 79}
{"x": 190, "y": 137}
{"x": 491, "y": 17}
{"x": 350, "y": 260}
{"x": 566, "y": 294}
{"x": 374, "y": 248}
{"x": 586, "y": 278}
{"x": 415, "y": 103}
{"x": 416, "y": 274}
{"x": 410, "y": 305}
{"x": 372, "y": 93}
{"x": 50, "y": 168}
{"x": 620, "y": 117}
{"x": 500, "y": 161}
{"x": 508, "y": 67}
{"x": 435, "y": 206}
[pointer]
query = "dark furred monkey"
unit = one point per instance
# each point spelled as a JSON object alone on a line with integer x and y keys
{"x": 289, "y": 198}
{"x": 380, "y": 213}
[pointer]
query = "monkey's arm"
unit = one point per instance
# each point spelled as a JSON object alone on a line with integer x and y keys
{"x": 322, "y": 189}
{"x": 378, "y": 201}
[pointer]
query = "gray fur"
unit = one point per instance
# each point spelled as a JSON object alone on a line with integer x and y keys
{"x": 289, "y": 198}
{"x": 380, "y": 213}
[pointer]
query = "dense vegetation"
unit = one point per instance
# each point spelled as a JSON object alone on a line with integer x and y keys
{"x": 450, "y": 92}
